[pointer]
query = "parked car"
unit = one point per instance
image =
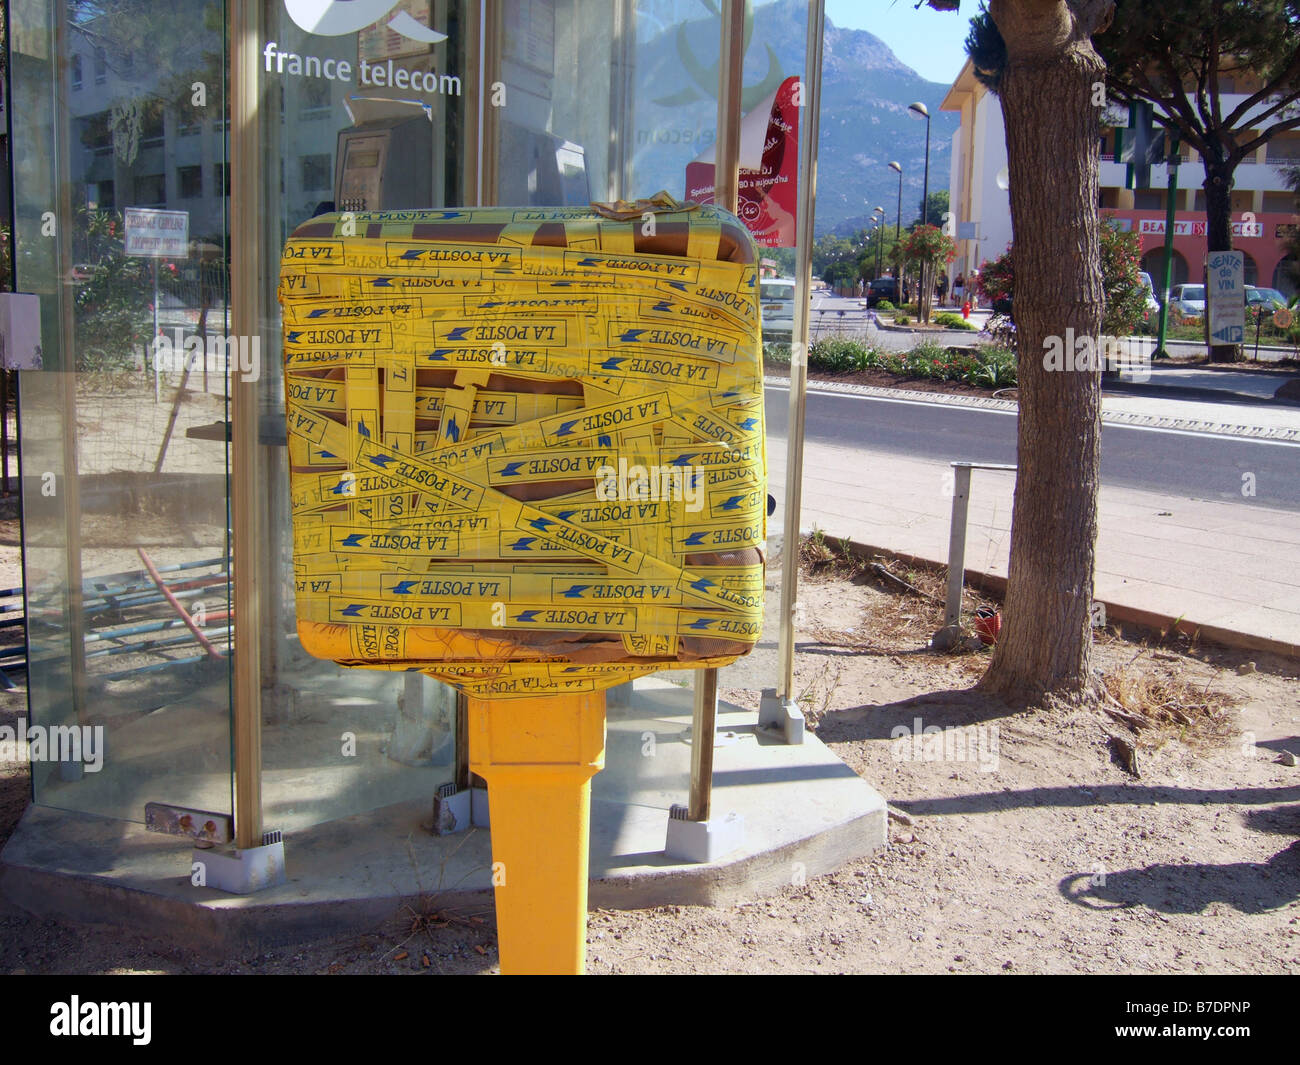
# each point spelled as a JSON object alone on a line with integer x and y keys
{"x": 1153, "y": 304}
{"x": 1268, "y": 298}
{"x": 883, "y": 288}
{"x": 1187, "y": 301}
{"x": 776, "y": 300}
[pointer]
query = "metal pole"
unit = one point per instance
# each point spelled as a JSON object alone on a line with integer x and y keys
{"x": 923, "y": 290}
{"x": 957, "y": 543}
{"x": 808, "y": 132}
{"x": 703, "y": 734}
{"x": 726, "y": 194}
{"x": 1170, "y": 210}
{"x": 245, "y": 494}
{"x": 155, "y": 331}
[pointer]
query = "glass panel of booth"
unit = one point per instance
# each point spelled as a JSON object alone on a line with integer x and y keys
{"x": 355, "y": 118}
{"x": 120, "y": 229}
{"x": 545, "y": 102}
{"x": 121, "y": 226}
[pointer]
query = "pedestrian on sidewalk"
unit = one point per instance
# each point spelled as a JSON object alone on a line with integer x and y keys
{"x": 942, "y": 288}
{"x": 958, "y": 289}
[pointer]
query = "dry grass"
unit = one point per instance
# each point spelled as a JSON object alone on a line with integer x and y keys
{"x": 907, "y": 613}
{"x": 1157, "y": 705}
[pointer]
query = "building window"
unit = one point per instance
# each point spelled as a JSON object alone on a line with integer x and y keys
{"x": 151, "y": 190}
{"x": 101, "y": 66}
{"x": 96, "y": 134}
{"x": 151, "y": 128}
{"x": 189, "y": 119}
{"x": 76, "y": 73}
{"x": 190, "y": 180}
{"x": 1149, "y": 200}
{"x": 221, "y": 178}
{"x": 316, "y": 172}
{"x": 105, "y": 196}
{"x": 1284, "y": 149}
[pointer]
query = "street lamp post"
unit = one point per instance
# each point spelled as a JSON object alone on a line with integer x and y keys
{"x": 898, "y": 229}
{"x": 923, "y": 295}
{"x": 879, "y": 215}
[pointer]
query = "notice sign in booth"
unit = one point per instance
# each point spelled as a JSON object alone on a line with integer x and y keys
{"x": 157, "y": 234}
{"x": 527, "y": 457}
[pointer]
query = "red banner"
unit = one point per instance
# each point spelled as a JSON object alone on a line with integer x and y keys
{"x": 768, "y": 194}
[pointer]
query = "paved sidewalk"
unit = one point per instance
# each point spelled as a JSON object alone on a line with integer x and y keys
{"x": 1220, "y": 566}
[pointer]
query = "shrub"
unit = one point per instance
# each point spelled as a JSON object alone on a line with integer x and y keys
{"x": 885, "y": 305}
{"x": 952, "y": 321}
{"x": 777, "y": 353}
{"x": 902, "y": 319}
{"x": 839, "y": 355}
{"x": 996, "y": 368}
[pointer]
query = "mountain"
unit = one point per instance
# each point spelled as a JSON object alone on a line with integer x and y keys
{"x": 865, "y": 122}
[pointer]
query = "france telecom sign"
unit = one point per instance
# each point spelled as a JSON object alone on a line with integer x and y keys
{"x": 157, "y": 234}
{"x": 1225, "y": 297}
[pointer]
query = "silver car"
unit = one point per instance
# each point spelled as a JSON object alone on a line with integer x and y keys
{"x": 1187, "y": 301}
{"x": 776, "y": 298}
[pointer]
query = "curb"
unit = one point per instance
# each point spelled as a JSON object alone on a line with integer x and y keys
{"x": 1119, "y": 418}
{"x": 1131, "y": 615}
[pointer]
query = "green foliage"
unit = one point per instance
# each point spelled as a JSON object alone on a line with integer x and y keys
{"x": 952, "y": 321}
{"x": 939, "y": 206}
{"x": 902, "y": 319}
{"x": 1121, "y": 265}
{"x": 839, "y": 355}
{"x": 996, "y": 276}
{"x": 988, "y": 367}
{"x": 776, "y": 353}
{"x": 987, "y": 49}
{"x": 996, "y": 369}
{"x": 1121, "y": 255}
{"x": 929, "y": 246}
{"x": 885, "y": 305}
{"x": 112, "y": 306}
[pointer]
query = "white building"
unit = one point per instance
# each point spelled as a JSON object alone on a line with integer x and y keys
{"x": 1262, "y": 204}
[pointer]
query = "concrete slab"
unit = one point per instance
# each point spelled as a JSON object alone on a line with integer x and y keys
{"x": 805, "y": 813}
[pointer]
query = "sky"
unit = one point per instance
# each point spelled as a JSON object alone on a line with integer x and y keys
{"x": 928, "y": 41}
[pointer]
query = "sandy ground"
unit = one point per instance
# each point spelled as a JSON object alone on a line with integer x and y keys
{"x": 1027, "y": 848}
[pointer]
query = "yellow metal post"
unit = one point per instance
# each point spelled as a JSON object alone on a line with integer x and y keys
{"x": 538, "y": 757}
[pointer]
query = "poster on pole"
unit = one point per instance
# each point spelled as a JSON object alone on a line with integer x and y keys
{"x": 769, "y": 168}
{"x": 157, "y": 234}
{"x": 1225, "y": 296}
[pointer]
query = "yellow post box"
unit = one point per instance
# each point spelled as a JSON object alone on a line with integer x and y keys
{"x": 527, "y": 457}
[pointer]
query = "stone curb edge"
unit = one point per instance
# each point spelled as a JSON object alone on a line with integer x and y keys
{"x": 1198, "y": 425}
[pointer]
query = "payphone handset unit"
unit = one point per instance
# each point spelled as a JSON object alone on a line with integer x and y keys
{"x": 383, "y": 165}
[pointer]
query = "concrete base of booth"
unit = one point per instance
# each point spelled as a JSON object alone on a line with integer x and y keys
{"x": 805, "y": 813}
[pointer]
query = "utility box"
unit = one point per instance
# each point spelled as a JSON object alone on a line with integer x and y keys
{"x": 526, "y": 445}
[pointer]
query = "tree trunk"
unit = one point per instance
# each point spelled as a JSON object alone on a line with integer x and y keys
{"x": 1218, "y": 237}
{"x": 1053, "y": 138}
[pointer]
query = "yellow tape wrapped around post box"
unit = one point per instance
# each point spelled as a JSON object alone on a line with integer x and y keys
{"x": 526, "y": 445}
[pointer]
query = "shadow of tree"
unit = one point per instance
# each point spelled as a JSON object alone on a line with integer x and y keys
{"x": 1249, "y": 887}
{"x": 953, "y": 708}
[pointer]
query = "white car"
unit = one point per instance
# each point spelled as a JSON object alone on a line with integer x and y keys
{"x": 1187, "y": 301}
{"x": 776, "y": 302}
{"x": 1153, "y": 304}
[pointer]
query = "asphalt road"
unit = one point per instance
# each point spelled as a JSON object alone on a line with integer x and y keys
{"x": 1198, "y": 465}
